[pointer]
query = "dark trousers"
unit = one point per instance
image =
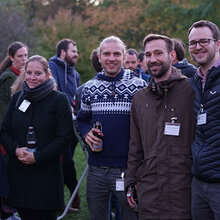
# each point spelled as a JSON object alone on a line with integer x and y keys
{"x": 101, "y": 183}
{"x": 69, "y": 171}
{"x": 205, "y": 200}
{"x": 3, "y": 214}
{"x": 30, "y": 214}
{"x": 114, "y": 204}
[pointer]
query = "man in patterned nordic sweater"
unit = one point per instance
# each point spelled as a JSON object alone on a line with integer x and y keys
{"x": 107, "y": 98}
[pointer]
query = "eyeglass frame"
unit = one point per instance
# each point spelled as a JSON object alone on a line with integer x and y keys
{"x": 199, "y": 42}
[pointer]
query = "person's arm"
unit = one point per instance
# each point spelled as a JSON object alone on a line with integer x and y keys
{"x": 6, "y": 139}
{"x": 84, "y": 118}
{"x": 135, "y": 156}
{"x": 64, "y": 132}
{"x": 6, "y": 82}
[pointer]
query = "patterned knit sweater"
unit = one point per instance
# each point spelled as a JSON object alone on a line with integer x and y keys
{"x": 108, "y": 100}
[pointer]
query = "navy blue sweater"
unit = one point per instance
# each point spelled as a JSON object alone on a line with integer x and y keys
{"x": 108, "y": 100}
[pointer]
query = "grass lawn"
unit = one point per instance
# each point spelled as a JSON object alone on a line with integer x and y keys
{"x": 80, "y": 164}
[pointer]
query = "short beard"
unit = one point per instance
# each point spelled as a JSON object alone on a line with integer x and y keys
{"x": 162, "y": 72}
{"x": 69, "y": 61}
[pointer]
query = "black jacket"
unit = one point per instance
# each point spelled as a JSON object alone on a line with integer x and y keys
{"x": 38, "y": 186}
{"x": 206, "y": 146}
{"x": 186, "y": 68}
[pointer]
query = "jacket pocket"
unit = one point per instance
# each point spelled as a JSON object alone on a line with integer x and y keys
{"x": 147, "y": 166}
{"x": 180, "y": 159}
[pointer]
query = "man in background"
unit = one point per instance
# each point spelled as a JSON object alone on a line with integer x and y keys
{"x": 63, "y": 70}
{"x": 132, "y": 63}
{"x": 180, "y": 61}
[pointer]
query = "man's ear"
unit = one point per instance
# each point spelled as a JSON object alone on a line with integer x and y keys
{"x": 62, "y": 54}
{"x": 173, "y": 56}
{"x": 99, "y": 57}
{"x": 218, "y": 45}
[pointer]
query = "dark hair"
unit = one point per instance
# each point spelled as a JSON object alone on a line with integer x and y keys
{"x": 204, "y": 23}
{"x": 141, "y": 56}
{"x": 63, "y": 45}
{"x": 12, "y": 48}
{"x": 132, "y": 51}
{"x": 95, "y": 61}
{"x": 152, "y": 37}
{"x": 41, "y": 60}
{"x": 179, "y": 47}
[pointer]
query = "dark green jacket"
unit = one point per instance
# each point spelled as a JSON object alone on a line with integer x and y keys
{"x": 6, "y": 80}
{"x": 38, "y": 186}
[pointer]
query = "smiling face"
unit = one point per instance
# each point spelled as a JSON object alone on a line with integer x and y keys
{"x": 35, "y": 74}
{"x": 20, "y": 57}
{"x": 158, "y": 59}
{"x": 111, "y": 58}
{"x": 203, "y": 55}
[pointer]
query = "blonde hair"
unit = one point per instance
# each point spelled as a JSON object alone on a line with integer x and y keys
{"x": 17, "y": 85}
{"x": 112, "y": 39}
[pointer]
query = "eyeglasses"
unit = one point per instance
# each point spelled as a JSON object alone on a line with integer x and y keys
{"x": 202, "y": 42}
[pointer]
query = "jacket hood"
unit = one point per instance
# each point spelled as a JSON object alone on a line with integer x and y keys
{"x": 186, "y": 68}
{"x": 183, "y": 64}
{"x": 58, "y": 61}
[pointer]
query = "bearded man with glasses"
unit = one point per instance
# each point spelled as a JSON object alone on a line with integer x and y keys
{"x": 204, "y": 46}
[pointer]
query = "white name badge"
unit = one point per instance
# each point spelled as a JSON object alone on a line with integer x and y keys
{"x": 120, "y": 185}
{"x": 172, "y": 129}
{"x": 202, "y": 119}
{"x": 24, "y": 105}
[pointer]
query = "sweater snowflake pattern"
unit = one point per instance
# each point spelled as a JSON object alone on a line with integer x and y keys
{"x": 108, "y": 100}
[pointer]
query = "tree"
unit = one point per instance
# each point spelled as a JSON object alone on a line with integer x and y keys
{"x": 117, "y": 17}
{"x": 14, "y": 27}
{"x": 67, "y": 25}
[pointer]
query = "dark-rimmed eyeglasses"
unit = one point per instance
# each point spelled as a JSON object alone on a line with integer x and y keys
{"x": 202, "y": 42}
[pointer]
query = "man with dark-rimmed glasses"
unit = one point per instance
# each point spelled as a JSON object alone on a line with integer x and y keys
{"x": 204, "y": 46}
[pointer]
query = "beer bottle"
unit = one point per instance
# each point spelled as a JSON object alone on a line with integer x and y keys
{"x": 31, "y": 140}
{"x": 98, "y": 126}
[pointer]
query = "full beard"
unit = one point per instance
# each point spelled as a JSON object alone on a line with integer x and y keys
{"x": 70, "y": 61}
{"x": 165, "y": 67}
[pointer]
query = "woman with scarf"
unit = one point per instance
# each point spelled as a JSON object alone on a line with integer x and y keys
{"x": 10, "y": 69}
{"x": 35, "y": 176}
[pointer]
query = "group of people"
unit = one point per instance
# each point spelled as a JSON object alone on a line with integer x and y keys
{"x": 156, "y": 146}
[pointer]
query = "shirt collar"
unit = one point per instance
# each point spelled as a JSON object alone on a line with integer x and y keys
{"x": 216, "y": 64}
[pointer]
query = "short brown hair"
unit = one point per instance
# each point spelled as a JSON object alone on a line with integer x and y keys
{"x": 152, "y": 37}
{"x": 95, "y": 61}
{"x": 204, "y": 23}
{"x": 132, "y": 51}
{"x": 179, "y": 47}
{"x": 63, "y": 45}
